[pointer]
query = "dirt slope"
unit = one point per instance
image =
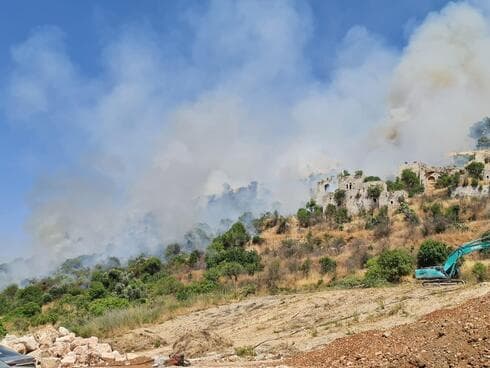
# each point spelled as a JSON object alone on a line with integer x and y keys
{"x": 279, "y": 326}
{"x": 457, "y": 337}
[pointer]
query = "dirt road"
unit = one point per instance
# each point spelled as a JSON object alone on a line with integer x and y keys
{"x": 274, "y": 327}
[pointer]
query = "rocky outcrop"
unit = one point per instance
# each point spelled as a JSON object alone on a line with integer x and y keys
{"x": 55, "y": 348}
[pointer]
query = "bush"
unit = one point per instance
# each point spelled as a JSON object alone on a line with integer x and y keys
{"x": 480, "y": 272}
{"x": 371, "y": 178}
{"x": 432, "y": 253}
{"x": 305, "y": 267}
{"x": 411, "y": 182}
{"x": 448, "y": 181}
{"x": 3, "y": 330}
{"x": 374, "y": 191}
{"x": 96, "y": 290}
{"x": 409, "y": 214}
{"x": 475, "y": 170}
{"x": 327, "y": 265}
{"x": 347, "y": 282}
{"x": 390, "y": 265}
{"x": 339, "y": 196}
{"x": 167, "y": 285}
{"x": 100, "y": 306}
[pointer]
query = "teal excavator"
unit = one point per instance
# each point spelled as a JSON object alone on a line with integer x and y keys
{"x": 448, "y": 273}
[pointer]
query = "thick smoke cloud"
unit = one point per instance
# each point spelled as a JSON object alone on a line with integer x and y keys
{"x": 164, "y": 128}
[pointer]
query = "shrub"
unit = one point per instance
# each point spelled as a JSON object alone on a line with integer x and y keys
{"x": 358, "y": 174}
{"x": 393, "y": 186}
{"x": 411, "y": 182}
{"x": 327, "y": 265}
{"x": 480, "y": 272}
{"x": 339, "y": 196}
{"x": 432, "y": 253}
{"x": 371, "y": 178}
{"x": 245, "y": 351}
{"x": 29, "y": 309}
{"x": 303, "y": 217}
{"x": 96, "y": 290}
{"x": 342, "y": 216}
{"x": 347, "y": 282}
{"x": 409, "y": 214}
{"x": 374, "y": 191}
{"x": 3, "y": 330}
{"x": 475, "y": 170}
{"x": 273, "y": 274}
{"x": 305, "y": 267}
{"x": 310, "y": 215}
{"x": 29, "y": 294}
{"x": 448, "y": 181}
{"x": 390, "y": 265}
{"x": 100, "y": 306}
{"x": 167, "y": 285}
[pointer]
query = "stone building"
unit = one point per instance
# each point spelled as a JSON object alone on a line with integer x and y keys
{"x": 356, "y": 199}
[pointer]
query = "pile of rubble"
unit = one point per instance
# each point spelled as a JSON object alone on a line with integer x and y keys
{"x": 54, "y": 348}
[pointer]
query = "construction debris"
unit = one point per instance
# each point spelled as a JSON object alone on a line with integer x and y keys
{"x": 55, "y": 348}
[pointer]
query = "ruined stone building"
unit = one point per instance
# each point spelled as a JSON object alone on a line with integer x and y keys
{"x": 356, "y": 188}
{"x": 356, "y": 199}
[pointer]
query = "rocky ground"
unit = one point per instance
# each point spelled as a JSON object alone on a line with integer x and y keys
{"x": 267, "y": 329}
{"x": 457, "y": 337}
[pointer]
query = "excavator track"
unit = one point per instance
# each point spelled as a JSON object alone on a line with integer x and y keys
{"x": 442, "y": 282}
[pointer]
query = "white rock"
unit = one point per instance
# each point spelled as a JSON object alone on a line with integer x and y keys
{"x": 131, "y": 356}
{"x": 103, "y": 348}
{"x": 46, "y": 336}
{"x": 69, "y": 359}
{"x": 118, "y": 356}
{"x": 50, "y": 362}
{"x": 29, "y": 342}
{"x": 18, "y": 347}
{"x": 63, "y": 331}
{"x": 66, "y": 338}
{"x": 59, "y": 349}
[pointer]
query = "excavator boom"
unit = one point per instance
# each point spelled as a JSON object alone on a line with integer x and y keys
{"x": 448, "y": 272}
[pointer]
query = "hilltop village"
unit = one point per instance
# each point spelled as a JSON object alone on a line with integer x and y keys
{"x": 358, "y": 193}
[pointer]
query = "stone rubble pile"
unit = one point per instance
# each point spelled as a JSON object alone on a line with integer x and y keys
{"x": 55, "y": 348}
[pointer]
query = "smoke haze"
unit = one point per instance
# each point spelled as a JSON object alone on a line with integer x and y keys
{"x": 238, "y": 108}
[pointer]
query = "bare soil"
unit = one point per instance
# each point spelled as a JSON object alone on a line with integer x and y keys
{"x": 457, "y": 337}
{"x": 281, "y": 326}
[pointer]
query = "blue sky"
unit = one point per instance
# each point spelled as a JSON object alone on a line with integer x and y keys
{"x": 35, "y": 148}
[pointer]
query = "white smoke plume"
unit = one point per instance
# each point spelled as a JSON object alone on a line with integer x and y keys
{"x": 238, "y": 106}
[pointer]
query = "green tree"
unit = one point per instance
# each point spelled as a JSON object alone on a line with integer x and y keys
{"x": 432, "y": 253}
{"x": 411, "y": 182}
{"x": 303, "y": 216}
{"x": 475, "y": 169}
{"x": 374, "y": 191}
{"x": 368, "y": 179}
{"x": 390, "y": 265}
{"x": 231, "y": 270}
{"x": 97, "y": 290}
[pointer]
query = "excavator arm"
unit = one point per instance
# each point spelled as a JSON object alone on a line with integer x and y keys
{"x": 449, "y": 270}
